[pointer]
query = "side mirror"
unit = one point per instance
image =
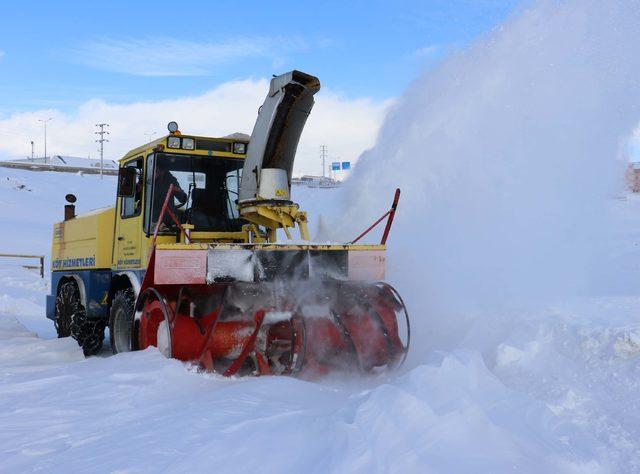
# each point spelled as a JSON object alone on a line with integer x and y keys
{"x": 127, "y": 182}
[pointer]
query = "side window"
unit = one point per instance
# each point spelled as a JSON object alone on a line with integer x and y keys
{"x": 231, "y": 186}
{"x": 148, "y": 189}
{"x": 131, "y": 206}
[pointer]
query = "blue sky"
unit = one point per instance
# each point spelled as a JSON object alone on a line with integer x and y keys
{"x": 138, "y": 65}
{"x": 61, "y": 54}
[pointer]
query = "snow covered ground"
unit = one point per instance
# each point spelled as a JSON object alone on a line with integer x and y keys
{"x": 557, "y": 392}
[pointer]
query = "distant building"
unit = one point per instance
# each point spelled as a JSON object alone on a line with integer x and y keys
{"x": 316, "y": 181}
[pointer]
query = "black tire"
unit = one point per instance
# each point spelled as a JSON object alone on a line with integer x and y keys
{"x": 66, "y": 303}
{"x": 121, "y": 323}
{"x": 71, "y": 319}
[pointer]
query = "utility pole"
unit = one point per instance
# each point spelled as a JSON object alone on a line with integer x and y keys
{"x": 44, "y": 122}
{"x": 101, "y": 140}
{"x": 323, "y": 155}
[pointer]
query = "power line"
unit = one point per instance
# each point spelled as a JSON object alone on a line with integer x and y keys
{"x": 101, "y": 140}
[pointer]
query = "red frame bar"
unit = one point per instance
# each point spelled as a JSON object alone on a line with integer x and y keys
{"x": 165, "y": 209}
{"x": 391, "y": 213}
{"x": 249, "y": 345}
{"x": 149, "y": 275}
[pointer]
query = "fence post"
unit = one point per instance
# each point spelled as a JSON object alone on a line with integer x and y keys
{"x": 33, "y": 267}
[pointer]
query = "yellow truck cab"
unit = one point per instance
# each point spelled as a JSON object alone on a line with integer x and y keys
{"x": 98, "y": 259}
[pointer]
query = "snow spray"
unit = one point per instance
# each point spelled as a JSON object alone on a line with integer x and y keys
{"x": 507, "y": 153}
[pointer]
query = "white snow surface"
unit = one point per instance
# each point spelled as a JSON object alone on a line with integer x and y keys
{"x": 525, "y": 355}
{"x": 557, "y": 392}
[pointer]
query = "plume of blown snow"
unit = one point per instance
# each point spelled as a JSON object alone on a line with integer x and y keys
{"x": 506, "y": 153}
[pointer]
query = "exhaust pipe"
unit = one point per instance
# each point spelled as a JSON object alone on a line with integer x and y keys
{"x": 70, "y": 209}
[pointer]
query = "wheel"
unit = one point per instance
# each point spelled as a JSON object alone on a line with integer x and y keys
{"x": 121, "y": 321}
{"x": 71, "y": 320}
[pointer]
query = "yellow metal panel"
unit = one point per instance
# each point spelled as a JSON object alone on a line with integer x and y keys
{"x": 84, "y": 242}
{"x": 217, "y": 236}
{"x": 128, "y": 251}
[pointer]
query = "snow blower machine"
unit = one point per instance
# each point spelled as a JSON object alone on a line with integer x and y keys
{"x": 194, "y": 266}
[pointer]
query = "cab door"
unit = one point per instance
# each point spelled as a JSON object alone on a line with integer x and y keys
{"x": 128, "y": 236}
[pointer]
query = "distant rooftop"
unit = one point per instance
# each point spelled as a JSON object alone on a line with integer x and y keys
{"x": 72, "y": 161}
{"x": 238, "y": 136}
{"x": 63, "y": 163}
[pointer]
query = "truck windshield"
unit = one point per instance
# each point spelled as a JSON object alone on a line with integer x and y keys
{"x": 205, "y": 192}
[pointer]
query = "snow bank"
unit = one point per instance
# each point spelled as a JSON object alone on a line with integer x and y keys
{"x": 142, "y": 412}
{"x": 21, "y": 349}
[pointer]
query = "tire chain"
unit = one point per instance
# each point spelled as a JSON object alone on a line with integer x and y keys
{"x": 88, "y": 333}
{"x": 62, "y": 321}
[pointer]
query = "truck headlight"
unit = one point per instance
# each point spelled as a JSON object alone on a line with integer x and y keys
{"x": 188, "y": 143}
{"x": 173, "y": 142}
{"x": 239, "y": 148}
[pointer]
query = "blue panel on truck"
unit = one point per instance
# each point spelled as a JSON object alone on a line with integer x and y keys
{"x": 96, "y": 287}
